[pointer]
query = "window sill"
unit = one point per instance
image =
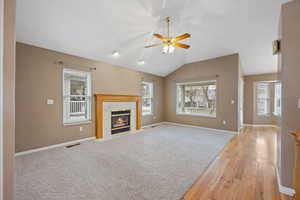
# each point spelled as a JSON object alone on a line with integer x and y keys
{"x": 77, "y": 123}
{"x": 267, "y": 115}
{"x": 276, "y": 114}
{"x": 198, "y": 115}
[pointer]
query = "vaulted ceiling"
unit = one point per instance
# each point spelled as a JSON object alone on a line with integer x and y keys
{"x": 96, "y": 28}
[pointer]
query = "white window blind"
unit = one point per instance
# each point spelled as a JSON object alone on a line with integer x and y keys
{"x": 147, "y": 98}
{"x": 263, "y": 98}
{"x": 277, "y": 99}
{"x": 76, "y": 96}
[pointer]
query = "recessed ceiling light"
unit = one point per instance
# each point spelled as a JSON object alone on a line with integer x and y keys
{"x": 141, "y": 62}
{"x": 116, "y": 54}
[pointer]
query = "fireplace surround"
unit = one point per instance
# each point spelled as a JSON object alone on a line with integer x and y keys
{"x": 106, "y": 103}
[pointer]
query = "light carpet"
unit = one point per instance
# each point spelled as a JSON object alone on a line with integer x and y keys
{"x": 158, "y": 163}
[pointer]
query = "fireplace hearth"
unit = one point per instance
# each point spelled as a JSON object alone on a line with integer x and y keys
{"x": 120, "y": 121}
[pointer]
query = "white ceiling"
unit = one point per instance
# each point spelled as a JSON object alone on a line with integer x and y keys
{"x": 95, "y": 28}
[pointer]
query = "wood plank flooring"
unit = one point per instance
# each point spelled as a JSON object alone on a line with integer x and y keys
{"x": 244, "y": 170}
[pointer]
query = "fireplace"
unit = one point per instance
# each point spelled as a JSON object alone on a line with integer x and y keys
{"x": 106, "y": 103}
{"x": 120, "y": 121}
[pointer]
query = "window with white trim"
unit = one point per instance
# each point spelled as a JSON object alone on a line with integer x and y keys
{"x": 198, "y": 98}
{"x": 147, "y": 98}
{"x": 277, "y": 99}
{"x": 263, "y": 98}
{"x": 76, "y": 96}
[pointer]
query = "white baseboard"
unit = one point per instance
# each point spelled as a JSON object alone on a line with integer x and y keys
{"x": 54, "y": 146}
{"x": 78, "y": 141}
{"x": 282, "y": 189}
{"x": 287, "y": 191}
{"x": 152, "y": 125}
{"x": 200, "y": 127}
{"x": 261, "y": 125}
{"x": 144, "y": 127}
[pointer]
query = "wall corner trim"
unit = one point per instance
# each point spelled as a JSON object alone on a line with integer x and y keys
{"x": 54, "y": 146}
{"x": 282, "y": 189}
{"x": 1, "y": 97}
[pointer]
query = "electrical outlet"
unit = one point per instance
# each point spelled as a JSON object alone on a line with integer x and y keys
{"x": 224, "y": 122}
{"x": 80, "y": 128}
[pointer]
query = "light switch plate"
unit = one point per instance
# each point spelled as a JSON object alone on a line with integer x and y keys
{"x": 299, "y": 103}
{"x": 50, "y": 101}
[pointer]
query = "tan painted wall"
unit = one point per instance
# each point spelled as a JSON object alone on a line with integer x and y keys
{"x": 39, "y": 78}
{"x": 250, "y": 116}
{"x": 9, "y": 98}
{"x": 227, "y": 68}
{"x": 290, "y": 70}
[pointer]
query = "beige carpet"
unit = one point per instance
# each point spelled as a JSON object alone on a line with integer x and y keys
{"x": 158, "y": 163}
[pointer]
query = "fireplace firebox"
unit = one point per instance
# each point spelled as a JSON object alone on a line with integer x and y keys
{"x": 120, "y": 121}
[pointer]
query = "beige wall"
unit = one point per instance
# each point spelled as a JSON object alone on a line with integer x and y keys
{"x": 9, "y": 98}
{"x": 227, "y": 69}
{"x": 38, "y": 78}
{"x": 290, "y": 70}
{"x": 250, "y": 116}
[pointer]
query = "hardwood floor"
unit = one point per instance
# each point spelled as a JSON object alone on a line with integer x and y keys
{"x": 244, "y": 170}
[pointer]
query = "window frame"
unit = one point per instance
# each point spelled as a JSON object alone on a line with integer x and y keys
{"x": 151, "y": 98}
{"x": 178, "y": 112}
{"x": 277, "y": 109}
{"x": 67, "y": 122}
{"x": 269, "y": 99}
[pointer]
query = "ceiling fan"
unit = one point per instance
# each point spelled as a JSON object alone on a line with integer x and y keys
{"x": 170, "y": 43}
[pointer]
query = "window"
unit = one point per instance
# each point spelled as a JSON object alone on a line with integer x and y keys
{"x": 197, "y": 98}
{"x": 277, "y": 99}
{"x": 77, "y": 96}
{"x": 147, "y": 104}
{"x": 263, "y": 100}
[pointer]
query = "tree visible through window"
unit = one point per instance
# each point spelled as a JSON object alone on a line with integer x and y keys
{"x": 77, "y": 96}
{"x": 147, "y": 100}
{"x": 197, "y": 98}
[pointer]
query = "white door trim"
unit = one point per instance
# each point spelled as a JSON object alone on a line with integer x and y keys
{"x": 1, "y": 94}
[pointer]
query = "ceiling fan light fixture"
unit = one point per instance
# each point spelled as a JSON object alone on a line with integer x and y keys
{"x": 116, "y": 54}
{"x": 141, "y": 62}
{"x": 169, "y": 42}
{"x": 168, "y": 49}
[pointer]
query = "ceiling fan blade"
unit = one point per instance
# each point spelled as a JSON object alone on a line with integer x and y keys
{"x": 182, "y": 37}
{"x": 153, "y": 45}
{"x": 159, "y": 36}
{"x": 185, "y": 46}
